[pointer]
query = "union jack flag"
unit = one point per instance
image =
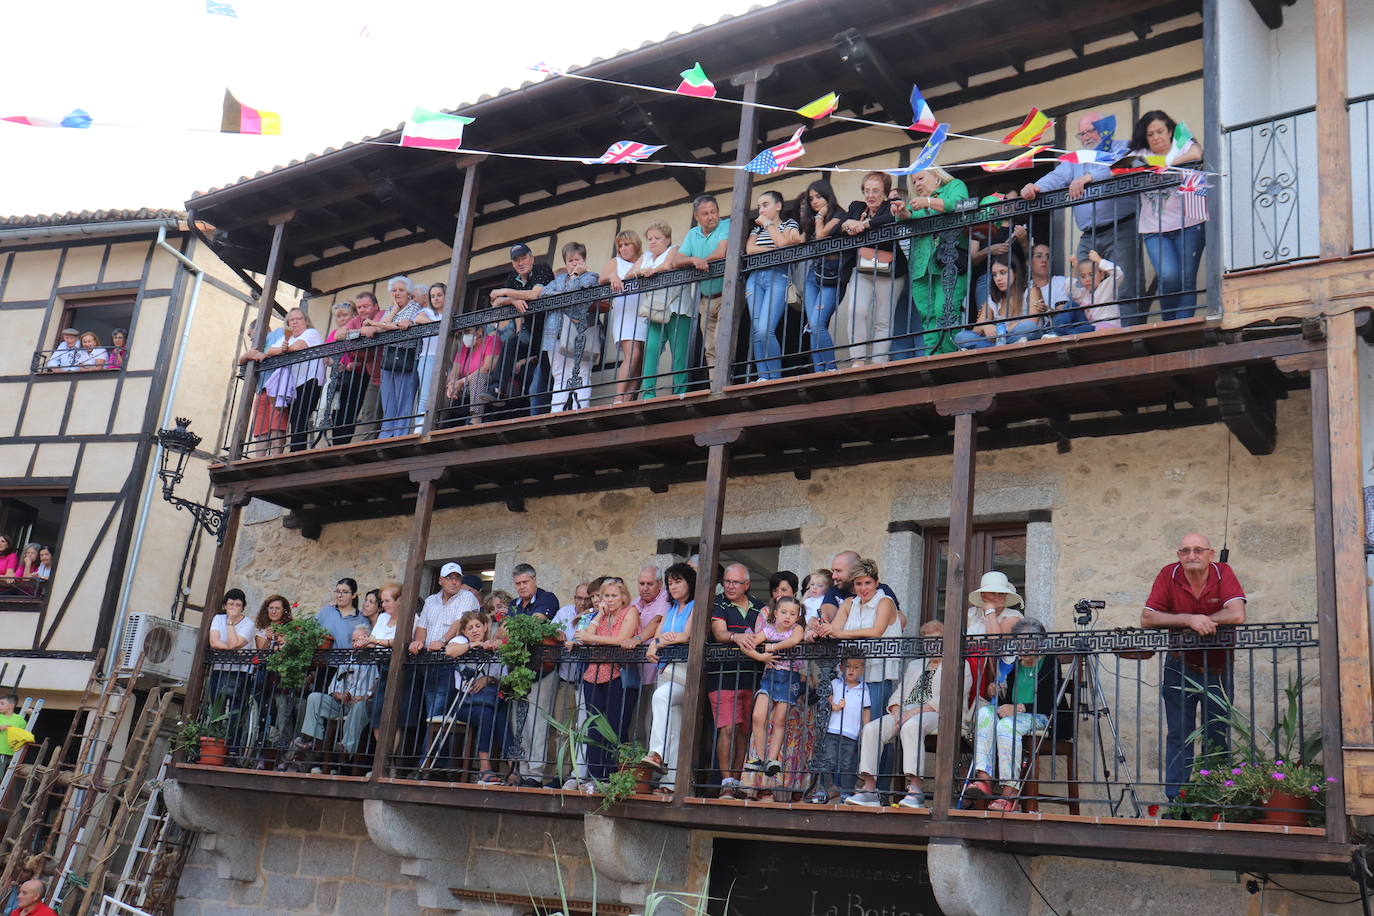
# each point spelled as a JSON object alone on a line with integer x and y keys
{"x": 1193, "y": 181}
{"x": 625, "y": 151}
{"x": 775, "y": 158}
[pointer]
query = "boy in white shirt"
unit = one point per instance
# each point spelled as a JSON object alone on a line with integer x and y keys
{"x": 849, "y": 713}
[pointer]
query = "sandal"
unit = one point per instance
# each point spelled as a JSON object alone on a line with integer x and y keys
{"x": 664, "y": 790}
{"x": 979, "y": 788}
{"x": 1005, "y": 804}
{"x": 490, "y": 778}
{"x": 654, "y": 762}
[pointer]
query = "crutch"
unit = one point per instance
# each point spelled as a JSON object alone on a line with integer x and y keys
{"x": 442, "y": 735}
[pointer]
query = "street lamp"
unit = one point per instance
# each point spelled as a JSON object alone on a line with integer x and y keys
{"x": 181, "y": 442}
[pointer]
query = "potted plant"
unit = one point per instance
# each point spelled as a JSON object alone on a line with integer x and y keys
{"x": 525, "y": 633}
{"x": 204, "y": 738}
{"x": 301, "y": 638}
{"x": 632, "y": 776}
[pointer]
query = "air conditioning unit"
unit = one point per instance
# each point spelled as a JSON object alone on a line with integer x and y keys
{"x": 167, "y": 646}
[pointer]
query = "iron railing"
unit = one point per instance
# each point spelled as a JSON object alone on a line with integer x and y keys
{"x": 1270, "y": 181}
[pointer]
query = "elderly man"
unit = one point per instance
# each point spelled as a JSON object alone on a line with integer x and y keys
{"x": 347, "y": 699}
{"x": 520, "y": 340}
{"x": 706, "y": 242}
{"x": 434, "y": 627}
{"x": 64, "y": 358}
{"x": 840, "y": 565}
{"x": 651, "y": 604}
{"x": 1196, "y": 593}
{"x": 31, "y": 903}
{"x": 1107, "y": 226}
{"x": 732, "y": 681}
{"x": 532, "y": 600}
{"x": 364, "y": 369}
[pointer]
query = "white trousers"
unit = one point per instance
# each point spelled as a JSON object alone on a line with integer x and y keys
{"x": 561, "y": 371}
{"x": 666, "y": 727}
{"x": 913, "y": 735}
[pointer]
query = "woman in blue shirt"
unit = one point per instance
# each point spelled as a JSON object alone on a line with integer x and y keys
{"x": 672, "y": 630}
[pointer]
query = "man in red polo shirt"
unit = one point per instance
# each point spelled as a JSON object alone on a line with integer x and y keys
{"x": 31, "y": 900}
{"x": 1198, "y": 594}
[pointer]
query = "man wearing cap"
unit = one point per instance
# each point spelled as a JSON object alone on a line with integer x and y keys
{"x": 434, "y": 627}
{"x": 520, "y": 342}
{"x": 532, "y": 600}
{"x": 64, "y": 358}
{"x": 1197, "y": 594}
{"x": 706, "y": 242}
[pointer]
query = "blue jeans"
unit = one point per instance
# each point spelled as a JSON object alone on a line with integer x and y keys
{"x": 398, "y": 402}
{"x": 485, "y": 714}
{"x": 424, "y": 367}
{"x": 1069, "y": 321}
{"x": 1183, "y": 690}
{"x": 438, "y": 689}
{"x": 1176, "y": 256}
{"x": 1025, "y": 329}
{"x": 908, "y": 325}
{"x": 766, "y": 292}
{"x": 541, "y": 384}
{"x": 878, "y": 692}
{"x": 820, "y": 306}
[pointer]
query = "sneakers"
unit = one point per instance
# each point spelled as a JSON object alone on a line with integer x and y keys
{"x": 864, "y": 800}
{"x": 729, "y": 787}
{"x": 914, "y": 799}
{"x": 571, "y": 784}
{"x": 818, "y": 797}
{"x": 490, "y": 778}
{"x": 529, "y": 782}
{"x": 773, "y": 768}
{"x": 755, "y": 765}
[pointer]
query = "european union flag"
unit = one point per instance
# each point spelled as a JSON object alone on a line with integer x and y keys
{"x": 217, "y": 8}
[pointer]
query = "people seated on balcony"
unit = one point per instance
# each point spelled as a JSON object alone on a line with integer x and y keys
{"x": 913, "y": 713}
{"x": 1094, "y": 291}
{"x": 531, "y": 600}
{"x": 603, "y": 686}
{"x": 478, "y": 686}
{"x": 347, "y": 698}
{"x": 92, "y": 356}
{"x": 628, "y": 328}
{"x": 837, "y": 755}
{"x": 819, "y": 216}
{"x": 341, "y": 615}
{"x": 669, "y": 312}
{"x": 340, "y": 386}
{"x": 1028, "y": 702}
{"x": 665, "y": 728}
{"x": 999, "y": 240}
{"x": 1050, "y": 293}
{"x": 469, "y": 382}
{"x": 937, "y": 295}
{"x": 299, "y": 385}
{"x": 572, "y": 337}
{"x": 765, "y": 288}
{"x": 229, "y": 681}
{"x": 524, "y": 366}
{"x": 1173, "y": 223}
{"x": 841, "y": 588}
{"x": 731, "y": 682}
{"x": 1007, "y": 316}
{"x": 705, "y": 242}
{"x": 433, "y": 298}
{"x": 878, "y": 297}
{"x": 367, "y": 365}
{"x": 813, "y": 590}
{"x": 779, "y": 688}
{"x": 400, "y": 361}
{"x": 870, "y": 614}
{"x": 118, "y": 351}
{"x": 1108, "y": 226}
{"x": 1199, "y": 594}
{"x": 65, "y": 357}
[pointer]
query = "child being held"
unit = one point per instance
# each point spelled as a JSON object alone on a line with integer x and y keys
{"x": 814, "y": 587}
{"x": 781, "y": 684}
{"x": 1095, "y": 290}
{"x": 850, "y": 710}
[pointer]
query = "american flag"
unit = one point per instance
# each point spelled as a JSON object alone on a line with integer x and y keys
{"x": 626, "y": 151}
{"x": 776, "y": 158}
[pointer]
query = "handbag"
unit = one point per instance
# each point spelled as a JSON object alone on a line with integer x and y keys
{"x": 827, "y": 270}
{"x": 399, "y": 358}
{"x": 654, "y": 307}
{"x": 567, "y": 336}
{"x": 875, "y": 261}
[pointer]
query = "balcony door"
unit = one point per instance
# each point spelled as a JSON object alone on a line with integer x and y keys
{"x": 1001, "y": 547}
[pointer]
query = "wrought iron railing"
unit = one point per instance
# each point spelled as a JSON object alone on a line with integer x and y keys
{"x": 1271, "y": 197}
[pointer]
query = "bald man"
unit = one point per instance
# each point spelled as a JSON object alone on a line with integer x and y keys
{"x": 31, "y": 900}
{"x": 1199, "y": 594}
{"x": 841, "y": 590}
{"x": 1107, "y": 226}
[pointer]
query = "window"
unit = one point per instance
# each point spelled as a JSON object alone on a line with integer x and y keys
{"x": 103, "y": 316}
{"x": 757, "y": 552}
{"x": 30, "y": 517}
{"x": 1001, "y": 547}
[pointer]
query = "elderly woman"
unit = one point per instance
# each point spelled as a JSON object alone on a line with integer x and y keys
{"x": 766, "y": 288}
{"x": 119, "y": 349}
{"x": 820, "y": 215}
{"x": 336, "y": 412}
{"x": 400, "y": 362}
{"x": 1173, "y": 223}
{"x": 939, "y": 282}
{"x": 670, "y": 630}
{"x": 628, "y": 328}
{"x": 1007, "y": 316}
{"x": 302, "y": 382}
{"x": 878, "y": 299}
{"x": 468, "y": 384}
{"x": 92, "y": 356}
{"x": 669, "y": 312}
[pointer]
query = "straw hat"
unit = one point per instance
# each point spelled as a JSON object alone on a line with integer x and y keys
{"x": 995, "y": 582}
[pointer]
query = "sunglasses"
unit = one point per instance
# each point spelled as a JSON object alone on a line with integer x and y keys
{"x": 612, "y": 579}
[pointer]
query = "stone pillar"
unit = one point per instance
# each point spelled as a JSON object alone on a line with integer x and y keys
{"x": 1041, "y": 562}
{"x": 432, "y": 842}
{"x": 903, "y": 566}
{"x": 639, "y": 855}
{"x": 976, "y": 882}
{"x": 230, "y": 831}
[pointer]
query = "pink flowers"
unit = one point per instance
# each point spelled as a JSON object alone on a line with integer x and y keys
{"x": 1228, "y": 783}
{"x": 1236, "y": 771}
{"x": 1204, "y": 772}
{"x": 1278, "y": 776}
{"x": 1330, "y": 779}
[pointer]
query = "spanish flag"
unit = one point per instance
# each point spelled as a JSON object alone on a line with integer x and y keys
{"x": 1022, "y": 160}
{"x": 238, "y": 118}
{"x": 1031, "y": 129}
{"x": 821, "y": 107}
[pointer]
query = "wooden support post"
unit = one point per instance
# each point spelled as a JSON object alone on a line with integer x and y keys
{"x": 396, "y": 681}
{"x": 732, "y": 295}
{"x": 719, "y": 444}
{"x": 1347, "y": 678}
{"x": 457, "y": 291}
{"x": 957, "y": 580}
{"x": 214, "y": 598}
{"x": 1335, "y": 232}
{"x": 238, "y": 436}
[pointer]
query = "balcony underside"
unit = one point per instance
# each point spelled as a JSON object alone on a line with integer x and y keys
{"x": 1221, "y": 846}
{"x": 1050, "y": 391}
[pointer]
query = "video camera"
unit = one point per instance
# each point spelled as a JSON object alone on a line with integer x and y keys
{"x": 1085, "y": 610}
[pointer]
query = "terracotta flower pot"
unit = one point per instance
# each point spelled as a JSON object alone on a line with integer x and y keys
{"x": 1294, "y": 816}
{"x": 213, "y": 751}
{"x": 326, "y": 643}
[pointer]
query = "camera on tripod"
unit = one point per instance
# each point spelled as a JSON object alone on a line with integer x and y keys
{"x": 1085, "y": 610}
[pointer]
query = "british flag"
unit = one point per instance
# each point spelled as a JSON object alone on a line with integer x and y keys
{"x": 776, "y": 158}
{"x": 625, "y": 151}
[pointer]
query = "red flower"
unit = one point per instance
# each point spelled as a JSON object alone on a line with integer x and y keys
{"x": 1216, "y": 817}
{"x": 295, "y": 604}
{"x": 256, "y": 660}
{"x": 500, "y": 616}
{"x": 1153, "y": 810}
{"x": 1182, "y": 793}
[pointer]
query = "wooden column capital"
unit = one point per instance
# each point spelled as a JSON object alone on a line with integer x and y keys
{"x": 724, "y": 436}
{"x": 975, "y": 403}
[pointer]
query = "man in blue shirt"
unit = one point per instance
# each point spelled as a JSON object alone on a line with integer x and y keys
{"x": 1107, "y": 226}
{"x": 841, "y": 590}
{"x": 543, "y": 695}
{"x": 706, "y": 242}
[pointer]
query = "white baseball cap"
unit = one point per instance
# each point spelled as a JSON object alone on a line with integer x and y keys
{"x": 450, "y": 569}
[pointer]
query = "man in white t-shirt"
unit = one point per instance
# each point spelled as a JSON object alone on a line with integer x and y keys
{"x": 434, "y": 627}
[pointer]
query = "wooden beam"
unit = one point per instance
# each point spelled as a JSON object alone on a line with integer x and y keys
{"x": 875, "y": 74}
{"x": 459, "y": 259}
{"x": 248, "y": 389}
{"x": 1250, "y": 413}
{"x": 1335, "y": 231}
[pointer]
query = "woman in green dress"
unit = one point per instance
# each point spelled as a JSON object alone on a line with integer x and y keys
{"x": 939, "y": 269}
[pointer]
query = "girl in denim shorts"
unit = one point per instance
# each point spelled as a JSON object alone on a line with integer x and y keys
{"x": 781, "y": 685}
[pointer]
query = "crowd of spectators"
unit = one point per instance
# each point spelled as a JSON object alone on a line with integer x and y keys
{"x": 988, "y": 285}
{"x": 83, "y": 351}
{"x": 23, "y": 572}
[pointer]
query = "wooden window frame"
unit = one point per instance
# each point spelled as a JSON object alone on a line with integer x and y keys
{"x": 19, "y": 603}
{"x": 979, "y": 560}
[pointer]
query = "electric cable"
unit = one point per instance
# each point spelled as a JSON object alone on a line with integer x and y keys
{"x": 1266, "y": 879}
{"x": 1033, "y": 885}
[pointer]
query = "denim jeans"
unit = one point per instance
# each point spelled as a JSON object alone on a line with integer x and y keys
{"x": 541, "y": 384}
{"x": 766, "y": 292}
{"x": 1025, "y": 329}
{"x": 908, "y": 325}
{"x": 1117, "y": 243}
{"x": 1183, "y": 690}
{"x": 1176, "y": 256}
{"x": 398, "y": 402}
{"x": 820, "y": 306}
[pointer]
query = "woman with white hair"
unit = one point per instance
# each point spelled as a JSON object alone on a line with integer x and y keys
{"x": 939, "y": 279}
{"x": 400, "y": 362}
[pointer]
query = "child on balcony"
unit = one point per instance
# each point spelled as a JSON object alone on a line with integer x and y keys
{"x": 1096, "y": 290}
{"x": 850, "y": 709}
{"x": 781, "y": 684}
{"x": 814, "y": 587}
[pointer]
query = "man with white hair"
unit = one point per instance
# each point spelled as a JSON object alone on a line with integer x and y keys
{"x": 31, "y": 903}
{"x": 731, "y": 682}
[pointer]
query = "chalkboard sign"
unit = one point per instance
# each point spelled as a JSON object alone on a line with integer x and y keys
{"x": 808, "y": 879}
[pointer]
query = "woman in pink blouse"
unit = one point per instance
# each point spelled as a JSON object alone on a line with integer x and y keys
{"x": 469, "y": 385}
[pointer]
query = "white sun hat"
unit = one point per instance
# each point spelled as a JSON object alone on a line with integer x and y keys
{"x": 995, "y": 582}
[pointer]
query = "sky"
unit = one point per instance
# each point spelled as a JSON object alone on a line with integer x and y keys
{"x": 152, "y": 74}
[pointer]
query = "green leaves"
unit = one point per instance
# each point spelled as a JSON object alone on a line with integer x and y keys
{"x": 301, "y": 637}
{"x": 523, "y": 633}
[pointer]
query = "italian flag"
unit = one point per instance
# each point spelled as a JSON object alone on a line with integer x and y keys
{"x": 694, "y": 82}
{"x": 1183, "y": 137}
{"x": 434, "y": 130}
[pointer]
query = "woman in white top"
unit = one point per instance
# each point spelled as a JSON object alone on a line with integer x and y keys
{"x": 92, "y": 355}
{"x": 307, "y": 377}
{"x": 668, "y": 312}
{"x": 766, "y": 287}
{"x": 870, "y": 615}
{"x": 627, "y": 327}
{"x": 436, "y": 295}
{"x": 1007, "y": 316}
